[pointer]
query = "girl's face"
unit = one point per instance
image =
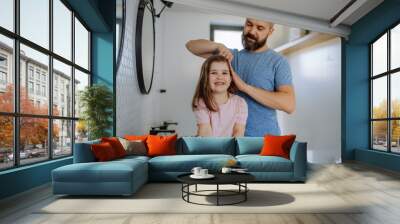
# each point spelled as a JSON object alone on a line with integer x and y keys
{"x": 219, "y": 77}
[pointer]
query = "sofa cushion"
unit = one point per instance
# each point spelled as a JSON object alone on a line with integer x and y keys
{"x": 142, "y": 138}
{"x": 249, "y": 145}
{"x": 134, "y": 147}
{"x": 185, "y": 163}
{"x": 116, "y": 145}
{"x": 277, "y": 145}
{"x": 159, "y": 145}
{"x": 257, "y": 163}
{"x": 103, "y": 152}
{"x": 206, "y": 145}
{"x": 111, "y": 171}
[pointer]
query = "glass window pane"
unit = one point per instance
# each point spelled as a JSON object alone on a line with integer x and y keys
{"x": 62, "y": 141}
{"x": 33, "y": 139}
{"x": 379, "y": 55}
{"x": 34, "y": 81}
{"x": 81, "y": 131}
{"x": 395, "y": 47}
{"x": 81, "y": 45}
{"x": 35, "y": 21}
{"x": 395, "y": 94}
{"x": 6, "y": 142}
{"x": 395, "y": 136}
{"x": 230, "y": 38}
{"x": 62, "y": 89}
{"x": 62, "y": 29}
{"x": 379, "y": 97}
{"x": 7, "y": 14}
{"x": 81, "y": 81}
{"x": 6, "y": 74}
{"x": 379, "y": 135}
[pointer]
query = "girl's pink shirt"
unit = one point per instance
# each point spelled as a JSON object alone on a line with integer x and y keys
{"x": 234, "y": 111}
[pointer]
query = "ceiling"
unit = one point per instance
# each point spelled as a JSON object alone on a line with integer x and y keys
{"x": 318, "y": 9}
{"x": 315, "y": 15}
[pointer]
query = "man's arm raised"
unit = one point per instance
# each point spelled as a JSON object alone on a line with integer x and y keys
{"x": 205, "y": 48}
{"x": 282, "y": 99}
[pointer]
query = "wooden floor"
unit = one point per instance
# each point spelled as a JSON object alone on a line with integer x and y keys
{"x": 377, "y": 188}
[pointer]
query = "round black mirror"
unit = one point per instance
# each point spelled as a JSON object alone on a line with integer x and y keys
{"x": 145, "y": 45}
{"x": 119, "y": 29}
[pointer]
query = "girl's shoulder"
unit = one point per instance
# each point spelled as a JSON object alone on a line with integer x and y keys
{"x": 237, "y": 99}
{"x": 200, "y": 104}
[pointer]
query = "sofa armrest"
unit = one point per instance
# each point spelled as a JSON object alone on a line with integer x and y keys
{"x": 298, "y": 155}
{"x": 83, "y": 152}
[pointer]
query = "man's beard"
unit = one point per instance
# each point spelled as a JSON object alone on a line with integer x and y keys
{"x": 250, "y": 45}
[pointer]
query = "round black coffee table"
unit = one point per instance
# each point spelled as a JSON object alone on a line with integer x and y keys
{"x": 238, "y": 179}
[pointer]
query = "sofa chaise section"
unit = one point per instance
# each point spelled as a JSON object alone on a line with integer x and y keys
{"x": 87, "y": 177}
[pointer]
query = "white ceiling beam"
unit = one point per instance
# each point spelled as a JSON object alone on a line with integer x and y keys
{"x": 348, "y": 12}
{"x": 275, "y": 16}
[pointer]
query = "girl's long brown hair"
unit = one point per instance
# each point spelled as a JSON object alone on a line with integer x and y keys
{"x": 203, "y": 90}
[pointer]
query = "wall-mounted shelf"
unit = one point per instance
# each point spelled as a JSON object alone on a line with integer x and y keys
{"x": 305, "y": 41}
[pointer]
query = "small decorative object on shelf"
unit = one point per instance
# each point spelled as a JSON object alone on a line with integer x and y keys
{"x": 163, "y": 129}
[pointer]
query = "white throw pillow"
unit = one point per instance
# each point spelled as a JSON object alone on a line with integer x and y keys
{"x": 135, "y": 147}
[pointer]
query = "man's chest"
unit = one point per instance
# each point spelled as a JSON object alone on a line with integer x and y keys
{"x": 257, "y": 73}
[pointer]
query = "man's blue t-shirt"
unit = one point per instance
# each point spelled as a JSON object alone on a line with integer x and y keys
{"x": 266, "y": 70}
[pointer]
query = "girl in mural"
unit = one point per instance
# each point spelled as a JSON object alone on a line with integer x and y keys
{"x": 218, "y": 111}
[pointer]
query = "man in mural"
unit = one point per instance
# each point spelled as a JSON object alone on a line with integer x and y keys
{"x": 262, "y": 76}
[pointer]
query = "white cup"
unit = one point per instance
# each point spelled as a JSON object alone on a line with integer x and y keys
{"x": 203, "y": 172}
{"x": 226, "y": 170}
{"x": 196, "y": 171}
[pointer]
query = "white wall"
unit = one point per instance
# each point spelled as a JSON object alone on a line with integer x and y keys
{"x": 317, "y": 119}
{"x": 136, "y": 112}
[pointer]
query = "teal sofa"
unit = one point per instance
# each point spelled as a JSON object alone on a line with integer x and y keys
{"x": 125, "y": 176}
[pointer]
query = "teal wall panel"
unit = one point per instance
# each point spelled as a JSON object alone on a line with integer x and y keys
{"x": 355, "y": 80}
{"x": 381, "y": 159}
{"x": 24, "y": 178}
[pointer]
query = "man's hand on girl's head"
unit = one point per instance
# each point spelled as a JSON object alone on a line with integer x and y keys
{"x": 224, "y": 51}
{"x": 240, "y": 84}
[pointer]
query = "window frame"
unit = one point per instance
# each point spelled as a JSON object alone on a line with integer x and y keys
{"x": 16, "y": 114}
{"x": 214, "y": 27}
{"x": 388, "y": 74}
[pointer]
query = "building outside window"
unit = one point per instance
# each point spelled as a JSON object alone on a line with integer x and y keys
{"x": 30, "y": 72}
{"x": 3, "y": 77}
{"x": 3, "y": 72}
{"x": 30, "y": 87}
{"x": 43, "y": 78}
{"x": 3, "y": 61}
{"x": 37, "y": 75}
{"x": 38, "y": 89}
{"x": 43, "y": 90}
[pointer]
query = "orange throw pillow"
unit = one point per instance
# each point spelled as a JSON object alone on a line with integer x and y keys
{"x": 103, "y": 152}
{"x": 116, "y": 145}
{"x": 136, "y": 137}
{"x": 159, "y": 145}
{"x": 277, "y": 145}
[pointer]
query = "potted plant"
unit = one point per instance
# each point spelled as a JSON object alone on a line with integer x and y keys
{"x": 96, "y": 102}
